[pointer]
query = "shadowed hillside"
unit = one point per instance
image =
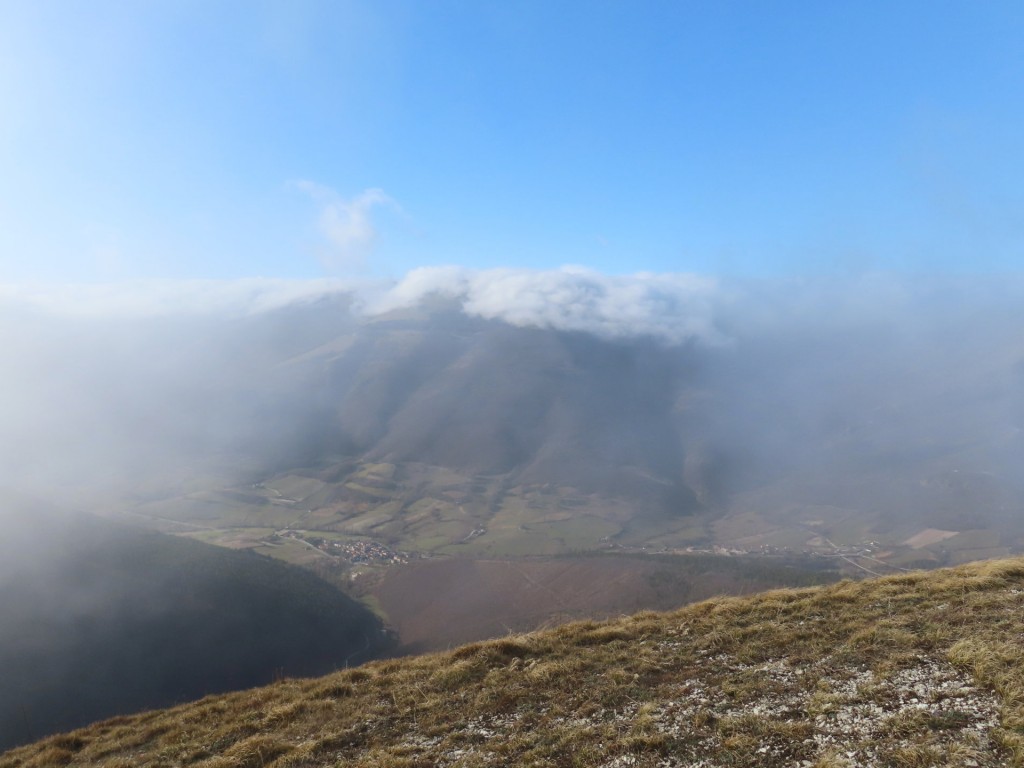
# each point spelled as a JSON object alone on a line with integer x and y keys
{"x": 920, "y": 669}
{"x": 100, "y": 620}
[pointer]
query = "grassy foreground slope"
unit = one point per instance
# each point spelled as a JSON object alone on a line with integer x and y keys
{"x": 921, "y": 669}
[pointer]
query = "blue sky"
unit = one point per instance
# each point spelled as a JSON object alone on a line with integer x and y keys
{"x": 296, "y": 139}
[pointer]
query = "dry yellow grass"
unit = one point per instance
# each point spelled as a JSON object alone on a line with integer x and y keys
{"x": 921, "y": 669}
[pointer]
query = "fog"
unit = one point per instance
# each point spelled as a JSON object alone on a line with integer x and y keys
{"x": 714, "y": 385}
{"x": 874, "y": 406}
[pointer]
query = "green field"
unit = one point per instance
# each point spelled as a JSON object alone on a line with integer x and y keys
{"x": 430, "y": 510}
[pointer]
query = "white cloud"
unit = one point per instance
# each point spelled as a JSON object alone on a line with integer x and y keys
{"x": 672, "y": 308}
{"x": 347, "y": 225}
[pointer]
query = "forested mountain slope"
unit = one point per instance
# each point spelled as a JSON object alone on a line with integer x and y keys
{"x": 99, "y": 619}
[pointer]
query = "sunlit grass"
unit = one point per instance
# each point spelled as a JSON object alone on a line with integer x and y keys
{"x": 911, "y": 670}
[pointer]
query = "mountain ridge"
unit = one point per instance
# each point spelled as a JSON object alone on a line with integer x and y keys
{"x": 916, "y": 669}
{"x": 875, "y": 424}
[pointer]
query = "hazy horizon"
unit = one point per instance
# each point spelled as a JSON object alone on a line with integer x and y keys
{"x": 142, "y": 382}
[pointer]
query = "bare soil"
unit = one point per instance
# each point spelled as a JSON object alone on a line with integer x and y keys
{"x": 439, "y": 604}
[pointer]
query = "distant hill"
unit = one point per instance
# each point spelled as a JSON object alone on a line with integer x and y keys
{"x": 897, "y": 432}
{"x": 874, "y": 422}
{"x": 870, "y": 438}
{"x": 429, "y": 429}
{"x": 919, "y": 669}
{"x": 99, "y": 619}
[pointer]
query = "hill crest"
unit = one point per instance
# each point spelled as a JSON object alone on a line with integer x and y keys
{"x": 918, "y": 669}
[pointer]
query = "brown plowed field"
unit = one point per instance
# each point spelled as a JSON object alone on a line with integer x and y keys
{"x": 437, "y": 604}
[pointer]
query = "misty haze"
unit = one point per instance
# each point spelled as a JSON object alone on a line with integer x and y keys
{"x": 458, "y": 447}
{"x": 619, "y": 385}
{"x": 669, "y": 414}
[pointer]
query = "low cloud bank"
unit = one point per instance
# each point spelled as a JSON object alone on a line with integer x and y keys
{"x": 104, "y": 383}
{"x": 671, "y": 308}
{"x": 166, "y": 298}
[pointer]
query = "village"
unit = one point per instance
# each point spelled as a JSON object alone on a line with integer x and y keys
{"x": 357, "y": 552}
